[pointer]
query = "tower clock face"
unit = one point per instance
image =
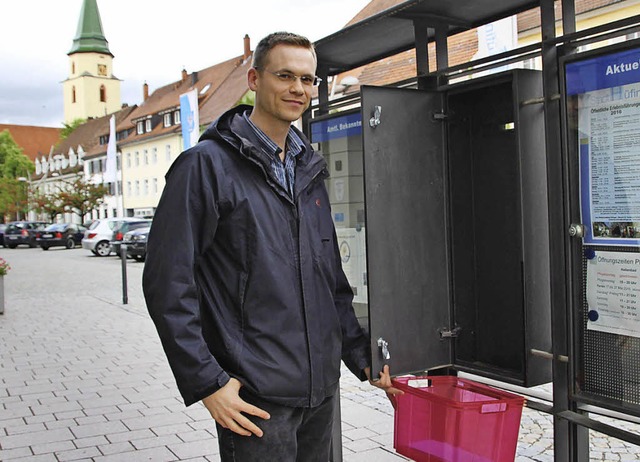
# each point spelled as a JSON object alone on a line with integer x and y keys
{"x": 102, "y": 69}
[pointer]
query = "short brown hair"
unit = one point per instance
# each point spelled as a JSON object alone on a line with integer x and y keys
{"x": 279, "y": 38}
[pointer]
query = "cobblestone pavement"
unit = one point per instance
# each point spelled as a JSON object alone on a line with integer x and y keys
{"x": 83, "y": 377}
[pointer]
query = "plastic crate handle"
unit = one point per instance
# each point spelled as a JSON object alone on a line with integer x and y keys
{"x": 493, "y": 408}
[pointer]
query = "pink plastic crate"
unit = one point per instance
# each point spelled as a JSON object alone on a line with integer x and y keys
{"x": 455, "y": 420}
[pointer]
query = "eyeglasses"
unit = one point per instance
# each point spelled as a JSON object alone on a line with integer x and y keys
{"x": 288, "y": 77}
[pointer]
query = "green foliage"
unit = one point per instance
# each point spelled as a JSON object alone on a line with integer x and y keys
{"x": 13, "y": 197}
{"x": 248, "y": 98}
{"x": 69, "y": 128}
{"x": 13, "y": 163}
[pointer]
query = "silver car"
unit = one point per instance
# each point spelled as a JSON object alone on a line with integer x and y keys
{"x": 100, "y": 232}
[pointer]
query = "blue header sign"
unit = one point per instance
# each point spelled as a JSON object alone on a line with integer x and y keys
{"x": 336, "y": 127}
{"x": 609, "y": 71}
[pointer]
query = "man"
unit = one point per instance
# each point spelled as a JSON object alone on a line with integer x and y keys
{"x": 243, "y": 277}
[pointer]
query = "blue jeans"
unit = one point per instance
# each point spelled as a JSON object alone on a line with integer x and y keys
{"x": 292, "y": 434}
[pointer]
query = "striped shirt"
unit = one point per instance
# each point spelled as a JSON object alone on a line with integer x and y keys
{"x": 285, "y": 172}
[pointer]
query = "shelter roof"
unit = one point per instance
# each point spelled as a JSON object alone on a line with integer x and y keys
{"x": 391, "y": 31}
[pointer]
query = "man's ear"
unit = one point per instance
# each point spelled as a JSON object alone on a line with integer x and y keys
{"x": 252, "y": 78}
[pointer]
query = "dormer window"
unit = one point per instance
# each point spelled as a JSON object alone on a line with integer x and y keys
{"x": 167, "y": 120}
{"x": 140, "y": 128}
{"x": 176, "y": 117}
{"x": 147, "y": 125}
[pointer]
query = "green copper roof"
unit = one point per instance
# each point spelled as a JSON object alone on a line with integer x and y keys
{"x": 89, "y": 36}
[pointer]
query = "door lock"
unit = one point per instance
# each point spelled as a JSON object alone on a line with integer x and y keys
{"x": 375, "y": 120}
{"x": 384, "y": 347}
{"x": 576, "y": 230}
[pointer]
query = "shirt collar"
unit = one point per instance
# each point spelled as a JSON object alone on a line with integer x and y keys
{"x": 294, "y": 142}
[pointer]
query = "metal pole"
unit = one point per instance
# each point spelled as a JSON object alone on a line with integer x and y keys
{"x": 123, "y": 258}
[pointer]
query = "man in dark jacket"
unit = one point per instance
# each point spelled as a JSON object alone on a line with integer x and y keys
{"x": 249, "y": 298}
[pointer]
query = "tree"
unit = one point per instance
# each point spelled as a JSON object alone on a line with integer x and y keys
{"x": 13, "y": 162}
{"x": 68, "y": 128}
{"x": 48, "y": 204}
{"x": 15, "y": 168}
{"x": 13, "y": 197}
{"x": 82, "y": 197}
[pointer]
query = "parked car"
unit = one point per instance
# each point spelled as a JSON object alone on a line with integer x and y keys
{"x": 122, "y": 229}
{"x": 100, "y": 232}
{"x": 60, "y": 235}
{"x": 22, "y": 233}
{"x": 136, "y": 242}
{"x": 2, "y": 228}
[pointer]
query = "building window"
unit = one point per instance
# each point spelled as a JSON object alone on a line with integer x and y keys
{"x": 102, "y": 69}
{"x": 167, "y": 153}
{"x": 103, "y": 94}
{"x": 140, "y": 128}
{"x": 167, "y": 120}
{"x": 146, "y": 187}
{"x": 128, "y": 188}
{"x": 118, "y": 162}
{"x": 73, "y": 67}
{"x": 155, "y": 186}
{"x": 176, "y": 117}
{"x": 128, "y": 160}
{"x": 137, "y": 187}
{"x": 137, "y": 159}
{"x": 73, "y": 94}
{"x": 154, "y": 156}
{"x": 147, "y": 125}
{"x": 146, "y": 157}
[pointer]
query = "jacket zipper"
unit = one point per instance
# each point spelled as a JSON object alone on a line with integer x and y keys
{"x": 301, "y": 280}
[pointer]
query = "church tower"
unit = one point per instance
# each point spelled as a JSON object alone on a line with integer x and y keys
{"x": 91, "y": 90}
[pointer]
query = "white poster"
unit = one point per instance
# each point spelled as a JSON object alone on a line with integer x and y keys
{"x": 351, "y": 242}
{"x": 613, "y": 293}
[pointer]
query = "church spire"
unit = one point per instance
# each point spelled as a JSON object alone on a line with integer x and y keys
{"x": 89, "y": 36}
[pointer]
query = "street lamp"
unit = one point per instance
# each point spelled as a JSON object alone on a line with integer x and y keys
{"x": 26, "y": 182}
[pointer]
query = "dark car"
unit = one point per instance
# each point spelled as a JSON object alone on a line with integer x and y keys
{"x": 22, "y": 233}
{"x": 136, "y": 242}
{"x": 60, "y": 235}
{"x": 123, "y": 228}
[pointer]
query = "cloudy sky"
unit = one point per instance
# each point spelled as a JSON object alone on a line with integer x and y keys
{"x": 151, "y": 42}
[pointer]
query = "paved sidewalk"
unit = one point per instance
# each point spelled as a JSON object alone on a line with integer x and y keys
{"x": 83, "y": 377}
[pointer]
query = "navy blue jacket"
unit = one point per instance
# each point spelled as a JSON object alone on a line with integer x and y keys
{"x": 243, "y": 281}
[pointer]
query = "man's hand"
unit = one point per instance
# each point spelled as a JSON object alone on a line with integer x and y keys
{"x": 226, "y": 407}
{"x": 384, "y": 383}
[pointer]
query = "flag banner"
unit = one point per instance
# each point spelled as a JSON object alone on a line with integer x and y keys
{"x": 189, "y": 118}
{"x": 110, "y": 174}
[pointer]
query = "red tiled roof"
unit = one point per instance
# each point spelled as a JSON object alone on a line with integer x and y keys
{"x": 33, "y": 140}
{"x": 206, "y": 81}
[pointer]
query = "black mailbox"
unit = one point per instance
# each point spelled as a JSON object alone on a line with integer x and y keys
{"x": 456, "y": 209}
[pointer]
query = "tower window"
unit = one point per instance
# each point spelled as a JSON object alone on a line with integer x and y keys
{"x": 73, "y": 94}
{"x": 73, "y": 67}
{"x": 103, "y": 94}
{"x": 102, "y": 69}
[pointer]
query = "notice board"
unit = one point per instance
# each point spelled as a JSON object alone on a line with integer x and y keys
{"x": 602, "y": 108}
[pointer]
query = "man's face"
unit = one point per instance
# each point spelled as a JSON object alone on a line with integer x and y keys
{"x": 277, "y": 100}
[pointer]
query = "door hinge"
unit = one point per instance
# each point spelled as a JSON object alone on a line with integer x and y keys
{"x": 449, "y": 333}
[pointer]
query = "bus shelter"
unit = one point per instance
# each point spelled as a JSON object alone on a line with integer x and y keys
{"x": 489, "y": 216}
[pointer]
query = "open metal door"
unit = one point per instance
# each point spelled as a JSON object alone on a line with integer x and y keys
{"x": 406, "y": 219}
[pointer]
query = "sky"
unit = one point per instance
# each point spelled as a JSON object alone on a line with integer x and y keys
{"x": 151, "y": 42}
